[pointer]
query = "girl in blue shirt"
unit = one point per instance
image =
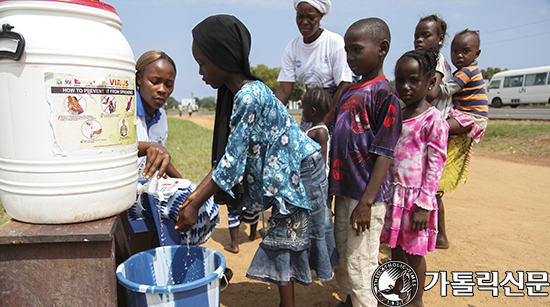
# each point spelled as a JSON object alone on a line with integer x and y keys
{"x": 155, "y": 78}
{"x": 280, "y": 167}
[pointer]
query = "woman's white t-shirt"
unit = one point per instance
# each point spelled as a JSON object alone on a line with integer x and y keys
{"x": 321, "y": 63}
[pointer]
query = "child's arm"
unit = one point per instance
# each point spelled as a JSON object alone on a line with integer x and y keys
{"x": 436, "y": 144}
{"x": 335, "y": 99}
{"x": 420, "y": 219}
{"x": 198, "y": 189}
{"x": 321, "y": 137}
{"x": 388, "y": 131}
{"x": 449, "y": 88}
{"x": 360, "y": 217}
{"x": 188, "y": 213}
{"x": 457, "y": 82}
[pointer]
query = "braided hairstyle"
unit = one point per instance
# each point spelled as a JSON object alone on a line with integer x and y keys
{"x": 427, "y": 59}
{"x": 320, "y": 99}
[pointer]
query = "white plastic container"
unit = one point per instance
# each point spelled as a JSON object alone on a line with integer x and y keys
{"x": 68, "y": 150}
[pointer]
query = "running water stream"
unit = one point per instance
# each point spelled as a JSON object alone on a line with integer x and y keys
{"x": 152, "y": 189}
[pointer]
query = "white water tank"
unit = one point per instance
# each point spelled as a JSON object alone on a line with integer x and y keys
{"x": 68, "y": 150}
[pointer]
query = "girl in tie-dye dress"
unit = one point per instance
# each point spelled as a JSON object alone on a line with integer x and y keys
{"x": 410, "y": 227}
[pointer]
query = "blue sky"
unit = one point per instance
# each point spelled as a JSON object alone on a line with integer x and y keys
{"x": 514, "y": 34}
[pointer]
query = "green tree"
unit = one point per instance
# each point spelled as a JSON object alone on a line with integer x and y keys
{"x": 298, "y": 90}
{"x": 269, "y": 76}
{"x": 490, "y": 72}
{"x": 171, "y": 103}
{"x": 206, "y": 102}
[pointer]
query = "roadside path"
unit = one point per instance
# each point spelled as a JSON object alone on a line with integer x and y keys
{"x": 497, "y": 221}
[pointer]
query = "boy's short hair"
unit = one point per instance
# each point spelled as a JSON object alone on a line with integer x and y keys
{"x": 374, "y": 28}
{"x": 472, "y": 32}
{"x": 319, "y": 98}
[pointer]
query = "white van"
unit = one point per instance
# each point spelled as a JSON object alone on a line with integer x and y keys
{"x": 520, "y": 86}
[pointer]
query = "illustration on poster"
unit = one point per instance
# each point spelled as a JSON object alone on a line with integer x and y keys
{"x": 109, "y": 104}
{"x": 75, "y": 104}
{"x": 123, "y": 127}
{"x": 129, "y": 104}
{"x": 91, "y": 129}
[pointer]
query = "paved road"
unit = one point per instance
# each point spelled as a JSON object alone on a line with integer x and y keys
{"x": 538, "y": 113}
{"x": 519, "y": 113}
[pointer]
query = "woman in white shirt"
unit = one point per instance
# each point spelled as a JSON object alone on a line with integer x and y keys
{"x": 316, "y": 57}
{"x": 155, "y": 78}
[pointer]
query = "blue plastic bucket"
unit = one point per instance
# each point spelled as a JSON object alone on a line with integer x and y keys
{"x": 174, "y": 275}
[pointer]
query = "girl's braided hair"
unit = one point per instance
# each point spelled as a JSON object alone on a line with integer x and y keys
{"x": 426, "y": 58}
{"x": 317, "y": 97}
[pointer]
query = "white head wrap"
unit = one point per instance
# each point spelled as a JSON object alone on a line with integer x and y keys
{"x": 323, "y": 6}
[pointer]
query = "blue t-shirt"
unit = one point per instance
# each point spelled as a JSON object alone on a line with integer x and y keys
{"x": 149, "y": 129}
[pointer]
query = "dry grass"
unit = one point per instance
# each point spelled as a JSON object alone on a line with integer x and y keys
{"x": 3, "y": 215}
{"x": 519, "y": 141}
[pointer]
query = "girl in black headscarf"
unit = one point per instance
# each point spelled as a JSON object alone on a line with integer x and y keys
{"x": 233, "y": 57}
{"x": 260, "y": 144}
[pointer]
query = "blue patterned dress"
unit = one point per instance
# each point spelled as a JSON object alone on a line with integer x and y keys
{"x": 282, "y": 169}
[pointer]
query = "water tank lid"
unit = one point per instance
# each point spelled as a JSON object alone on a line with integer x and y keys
{"x": 92, "y": 3}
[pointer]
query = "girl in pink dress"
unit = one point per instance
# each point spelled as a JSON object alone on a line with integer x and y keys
{"x": 411, "y": 220}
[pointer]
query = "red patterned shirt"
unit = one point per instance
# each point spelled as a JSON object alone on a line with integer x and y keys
{"x": 368, "y": 124}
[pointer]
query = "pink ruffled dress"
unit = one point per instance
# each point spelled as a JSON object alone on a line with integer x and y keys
{"x": 415, "y": 171}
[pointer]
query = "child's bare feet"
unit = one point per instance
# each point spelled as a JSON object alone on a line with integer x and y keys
{"x": 442, "y": 242}
{"x": 257, "y": 235}
{"x": 231, "y": 248}
{"x": 384, "y": 260}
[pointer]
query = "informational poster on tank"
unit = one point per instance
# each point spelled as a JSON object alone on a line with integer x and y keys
{"x": 91, "y": 116}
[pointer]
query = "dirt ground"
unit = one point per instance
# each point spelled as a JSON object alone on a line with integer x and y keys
{"x": 497, "y": 221}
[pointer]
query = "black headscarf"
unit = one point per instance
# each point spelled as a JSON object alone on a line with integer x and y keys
{"x": 226, "y": 42}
